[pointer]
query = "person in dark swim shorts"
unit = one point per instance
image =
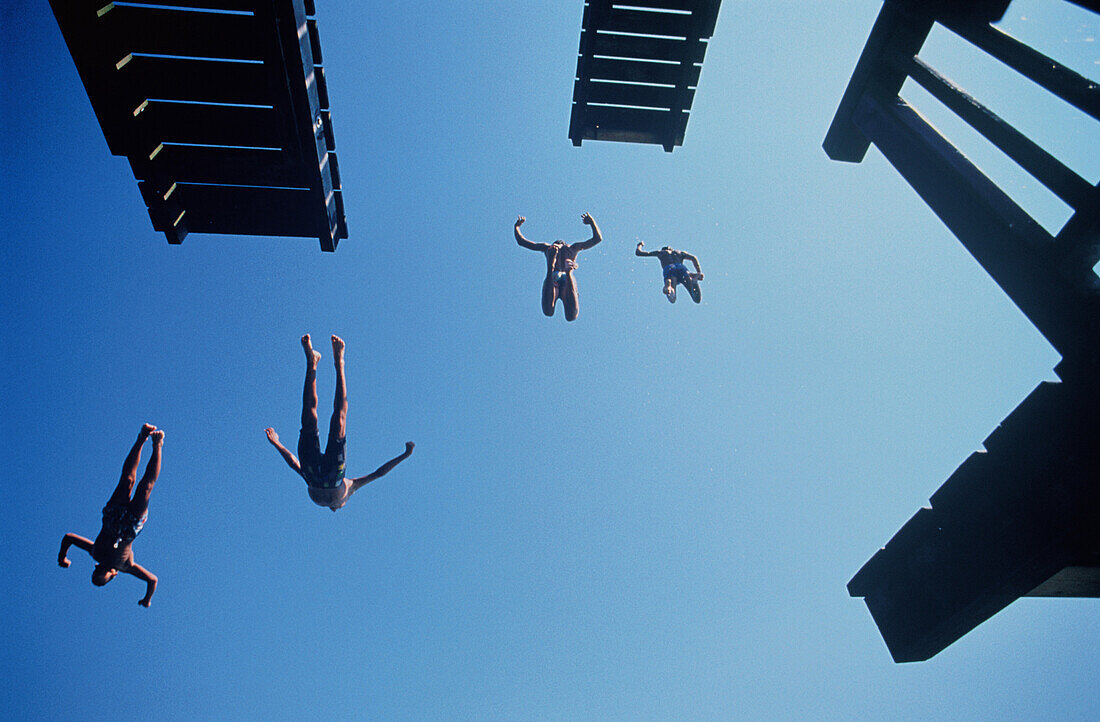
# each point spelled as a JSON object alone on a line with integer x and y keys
{"x": 123, "y": 520}
{"x": 561, "y": 261}
{"x": 324, "y": 474}
{"x": 675, "y": 272}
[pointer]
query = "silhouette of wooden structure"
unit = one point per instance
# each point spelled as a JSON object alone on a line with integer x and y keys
{"x": 1022, "y": 517}
{"x": 637, "y": 69}
{"x": 221, "y": 108}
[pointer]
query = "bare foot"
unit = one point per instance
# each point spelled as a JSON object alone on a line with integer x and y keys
{"x": 337, "y": 349}
{"x": 157, "y": 437}
{"x": 312, "y": 357}
{"x": 147, "y": 429}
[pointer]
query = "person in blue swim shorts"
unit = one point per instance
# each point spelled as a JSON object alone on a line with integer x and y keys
{"x": 675, "y": 272}
{"x": 324, "y": 472}
{"x": 123, "y": 519}
{"x": 561, "y": 261}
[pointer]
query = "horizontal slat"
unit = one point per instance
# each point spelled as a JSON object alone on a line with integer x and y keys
{"x": 206, "y": 81}
{"x": 230, "y": 166}
{"x": 208, "y": 124}
{"x": 1052, "y": 75}
{"x": 234, "y": 5}
{"x": 127, "y": 29}
{"x": 648, "y": 96}
{"x": 1048, "y": 170}
{"x": 662, "y": 4}
{"x": 637, "y": 71}
{"x": 638, "y": 21}
{"x": 252, "y": 211}
{"x": 629, "y": 125}
{"x": 632, "y": 46}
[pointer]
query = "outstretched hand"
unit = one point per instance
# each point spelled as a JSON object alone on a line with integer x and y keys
{"x": 519, "y": 221}
{"x": 586, "y": 219}
{"x": 409, "y": 446}
{"x": 271, "y": 435}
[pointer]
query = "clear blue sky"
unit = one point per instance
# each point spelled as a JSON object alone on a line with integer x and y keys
{"x": 649, "y": 513}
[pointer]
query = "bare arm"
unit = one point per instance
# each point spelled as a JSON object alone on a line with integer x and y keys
{"x": 67, "y": 541}
{"x": 150, "y": 580}
{"x": 639, "y": 252}
{"x": 596, "y": 237}
{"x": 523, "y": 241}
{"x": 695, "y": 262}
{"x": 386, "y": 468}
{"x": 290, "y": 459}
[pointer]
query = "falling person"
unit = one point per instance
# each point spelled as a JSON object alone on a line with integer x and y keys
{"x": 675, "y": 272}
{"x": 324, "y": 473}
{"x": 123, "y": 520}
{"x": 561, "y": 261}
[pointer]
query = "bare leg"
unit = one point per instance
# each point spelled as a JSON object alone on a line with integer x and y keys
{"x": 152, "y": 471}
{"x": 569, "y": 298}
{"x": 309, "y": 393}
{"x": 693, "y": 289}
{"x": 340, "y": 402}
{"x": 121, "y": 494}
{"x": 549, "y": 294}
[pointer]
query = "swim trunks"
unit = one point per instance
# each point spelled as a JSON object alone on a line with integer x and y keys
{"x": 677, "y": 272}
{"x": 560, "y": 277}
{"x": 322, "y": 471}
{"x": 123, "y": 524}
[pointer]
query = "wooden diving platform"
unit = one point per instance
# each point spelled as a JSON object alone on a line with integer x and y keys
{"x": 1021, "y": 517}
{"x": 221, "y": 107}
{"x": 637, "y": 69}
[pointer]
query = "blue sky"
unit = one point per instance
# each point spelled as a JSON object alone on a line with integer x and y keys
{"x": 649, "y": 513}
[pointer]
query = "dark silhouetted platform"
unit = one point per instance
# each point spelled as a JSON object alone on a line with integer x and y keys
{"x": 221, "y": 108}
{"x": 637, "y": 69}
{"x": 1021, "y": 518}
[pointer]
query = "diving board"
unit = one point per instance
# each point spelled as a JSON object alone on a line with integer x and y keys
{"x": 1019, "y": 518}
{"x": 637, "y": 69}
{"x": 221, "y": 108}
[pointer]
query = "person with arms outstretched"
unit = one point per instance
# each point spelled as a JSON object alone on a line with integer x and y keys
{"x": 123, "y": 520}
{"x": 675, "y": 271}
{"x": 324, "y": 473}
{"x": 561, "y": 261}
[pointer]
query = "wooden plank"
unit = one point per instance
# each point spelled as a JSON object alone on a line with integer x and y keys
{"x": 251, "y": 211}
{"x": 341, "y": 221}
{"x": 1048, "y": 170}
{"x": 322, "y": 88}
{"x": 314, "y": 42}
{"x": 205, "y": 81}
{"x": 628, "y": 125}
{"x": 227, "y": 166}
{"x": 1008, "y": 243}
{"x": 642, "y": 48}
{"x": 1075, "y": 89}
{"x": 637, "y": 71}
{"x": 649, "y": 96}
{"x": 688, "y": 5}
{"x": 233, "y": 5}
{"x": 127, "y": 29}
{"x": 648, "y": 23}
{"x": 1072, "y": 581}
{"x": 289, "y": 17}
{"x": 208, "y": 125}
{"x": 895, "y": 29}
